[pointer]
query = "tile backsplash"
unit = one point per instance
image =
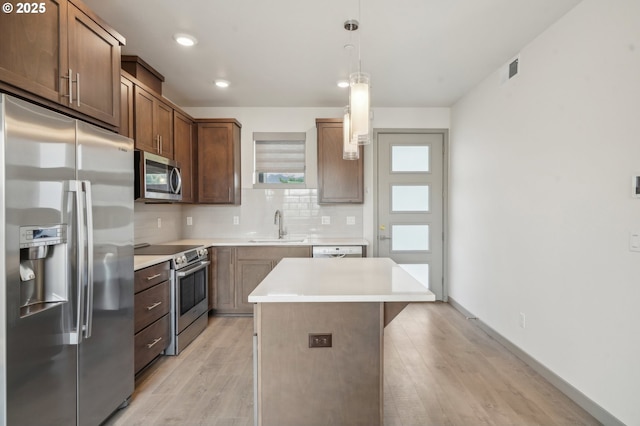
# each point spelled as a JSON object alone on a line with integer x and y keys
{"x": 302, "y": 216}
{"x": 146, "y": 222}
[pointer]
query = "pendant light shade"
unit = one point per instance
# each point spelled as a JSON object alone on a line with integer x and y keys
{"x": 350, "y": 147}
{"x": 359, "y": 104}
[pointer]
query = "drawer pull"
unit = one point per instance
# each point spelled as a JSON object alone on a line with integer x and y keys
{"x": 155, "y": 305}
{"x": 152, "y": 344}
{"x": 153, "y": 277}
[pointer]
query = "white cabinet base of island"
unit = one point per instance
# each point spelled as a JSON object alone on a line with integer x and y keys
{"x": 319, "y": 334}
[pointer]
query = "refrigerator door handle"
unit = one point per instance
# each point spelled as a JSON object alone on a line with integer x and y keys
{"x": 75, "y": 335}
{"x": 88, "y": 323}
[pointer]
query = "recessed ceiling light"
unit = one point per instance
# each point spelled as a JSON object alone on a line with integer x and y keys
{"x": 222, "y": 83}
{"x": 185, "y": 39}
{"x": 343, "y": 84}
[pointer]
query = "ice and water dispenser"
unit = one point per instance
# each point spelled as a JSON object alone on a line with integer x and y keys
{"x": 43, "y": 260}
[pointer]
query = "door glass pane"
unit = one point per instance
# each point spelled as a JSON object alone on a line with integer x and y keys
{"x": 410, "y": 198}
{"x": 409, "y": 237}
{"x": 409, "y": 158}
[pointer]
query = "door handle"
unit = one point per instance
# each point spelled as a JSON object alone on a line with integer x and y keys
{"x": 383, "y": 237}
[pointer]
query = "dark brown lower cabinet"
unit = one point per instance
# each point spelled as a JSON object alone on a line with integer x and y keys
{"x": 221, "y": 280}
{"x": 239, "y": 270}
{"x": 152, "y": 319}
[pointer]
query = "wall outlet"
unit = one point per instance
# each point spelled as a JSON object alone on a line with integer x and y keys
{"x": 189, "y": 221}
{"x": 159, "y": 223}
{"x": 523, "y": 320}
{"x": 236, "y": 220}
{"x": 351, "y": 220}
{"x": 320, "y": 340}
{"x": 326, "y": 220}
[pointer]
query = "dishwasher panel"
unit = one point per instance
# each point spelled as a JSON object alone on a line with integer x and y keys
{"x": 337, "y": 251}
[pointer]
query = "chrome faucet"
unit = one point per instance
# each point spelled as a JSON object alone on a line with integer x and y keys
{"x": 277, "y": 220}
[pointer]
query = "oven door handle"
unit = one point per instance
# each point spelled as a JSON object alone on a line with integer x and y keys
{"x": 186, "y": 272}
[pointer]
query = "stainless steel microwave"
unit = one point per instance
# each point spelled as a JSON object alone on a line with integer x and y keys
{"x": 157, "y": 178}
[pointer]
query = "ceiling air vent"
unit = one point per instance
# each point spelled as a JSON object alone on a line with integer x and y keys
{"x": 509, "y": 70}
{"x": 513, "y": 68}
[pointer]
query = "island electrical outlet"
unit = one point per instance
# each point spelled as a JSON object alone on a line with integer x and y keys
{"x": 320, "y": 340}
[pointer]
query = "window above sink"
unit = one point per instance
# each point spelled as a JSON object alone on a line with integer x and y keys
{"x": 279, "y": 159}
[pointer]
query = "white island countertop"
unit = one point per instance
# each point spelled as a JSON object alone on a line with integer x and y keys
{"x": 339, "y": 280}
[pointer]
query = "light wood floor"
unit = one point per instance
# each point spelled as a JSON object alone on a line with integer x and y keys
{"x": 440, "y": 369}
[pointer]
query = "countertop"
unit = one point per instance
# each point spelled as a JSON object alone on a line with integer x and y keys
{"x": 339, "y": 280}
{"x": 218, "y": 242}
{"x": 140, "y": 262}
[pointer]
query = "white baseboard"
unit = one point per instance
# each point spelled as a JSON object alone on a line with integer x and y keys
{"x": 563, "y": 386}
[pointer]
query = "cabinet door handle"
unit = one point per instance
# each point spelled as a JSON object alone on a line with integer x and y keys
{"x": 153, "y": 277}
{"x": 70, "y": 87}
{"x": 152, "y": 344}
{"x": 78, "y": 89}
{"x": 155, "y": 305}
{"x": 160, "y": 137}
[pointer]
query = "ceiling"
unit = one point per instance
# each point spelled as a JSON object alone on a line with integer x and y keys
{"x": 290, "y": 53}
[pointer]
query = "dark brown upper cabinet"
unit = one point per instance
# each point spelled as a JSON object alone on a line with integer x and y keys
{"x": 183, "y": 138}
{"x": 153, "y": 123}
{"x": 339, "y": 181}
{"x": 219, "y": 161}
{"x": 66, "y": 58}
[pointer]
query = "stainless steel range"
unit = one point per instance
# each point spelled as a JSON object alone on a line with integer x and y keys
{"x": 189, "y": 291}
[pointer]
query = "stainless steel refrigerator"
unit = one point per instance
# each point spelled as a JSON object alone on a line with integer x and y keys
{"x": 66, "y": 295}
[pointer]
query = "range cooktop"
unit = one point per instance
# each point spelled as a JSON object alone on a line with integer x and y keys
{"x": 182, "y": 255}
{"x": 163, "y": 249}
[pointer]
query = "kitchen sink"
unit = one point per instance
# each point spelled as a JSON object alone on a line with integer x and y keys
{"x": 278, "y": 240}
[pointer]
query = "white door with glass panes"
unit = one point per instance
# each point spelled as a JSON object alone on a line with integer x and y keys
{"x": 410, "y": 215}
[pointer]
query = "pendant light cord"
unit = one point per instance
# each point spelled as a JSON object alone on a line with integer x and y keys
{"x": 359, "y": 39}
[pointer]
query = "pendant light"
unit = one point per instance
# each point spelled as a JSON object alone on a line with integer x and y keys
{"x": 350, "y": 150}
{"x": 359, "y": 108}
{"x": 359, "y": 96}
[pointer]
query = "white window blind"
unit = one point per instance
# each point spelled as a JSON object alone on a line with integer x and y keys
{"x": 279, "y": 157}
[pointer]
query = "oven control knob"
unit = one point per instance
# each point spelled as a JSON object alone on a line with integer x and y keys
{"x": 184, "y": 259}
{"x": 178, "y": 260}
{"x": 202, "y": 252}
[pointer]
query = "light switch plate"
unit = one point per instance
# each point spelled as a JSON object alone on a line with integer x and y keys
{"x": 189, "y": 221}
{"x": 236, "y": 220}
{"x": 635, "y": 186}
{"x": 634, "y": 241}
{"x": 351, "y": 220}
{"x": 326, "y": 220}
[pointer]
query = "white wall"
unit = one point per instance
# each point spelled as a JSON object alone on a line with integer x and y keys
{"x": 541, "y": 206}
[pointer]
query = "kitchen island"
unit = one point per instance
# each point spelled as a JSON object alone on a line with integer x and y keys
{"x": 319, "y": 334}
